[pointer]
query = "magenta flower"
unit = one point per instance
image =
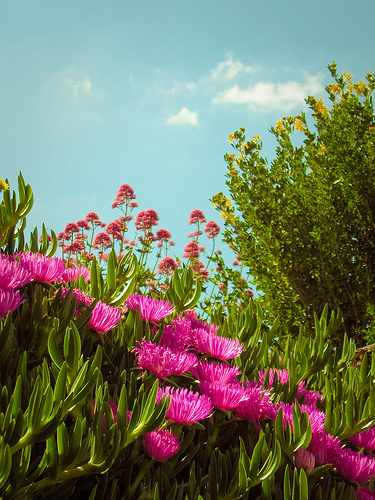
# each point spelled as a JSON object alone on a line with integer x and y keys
{"x": 364, "y": 439}
{"x": 81, "y": 297}
{"x": 258, "y": 405}
{"x": 215, "y": 346}
{"x": 178, "y": 335}
{"x": 150, "y": 309}
{"x": 104, "y": 317}
{"x": 186, "y": 406}
{"x": 72, "y": 273}
{"x": 197, "y": 217}
{"x": 364, "y": 494}
{"x": 353, "y": 465}
{"x": 316, "y": 416}
{"x": 42, "y": 268}
{"x": 9, "y": 301}
{"x": 310, "y": 398}
{"x": 323, "y": 446}
{"x": 113, "y": 407}
{"x": 224, "y": 397}
{"x": 160, "y": 445}
{"x": 215, "y": 372}
{"x": 163, "y": 361}
{"x": 12, "y": 274}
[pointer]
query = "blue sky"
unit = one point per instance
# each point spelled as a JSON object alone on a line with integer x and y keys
{"x": 95, "y": 94}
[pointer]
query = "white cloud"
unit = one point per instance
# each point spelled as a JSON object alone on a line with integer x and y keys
{"x": 75, "y": 81}
{"x": 184, "y": 117}
{"x": 229, "y": 69}
{"x": 271, "y": 95}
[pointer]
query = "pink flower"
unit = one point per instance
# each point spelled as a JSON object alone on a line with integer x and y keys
{"x": 124, "y": 194}
{"x": 83, "y": 224}
{"x": 224, "y": 397}
{"x": 178, "y": 335}
{"x": 102, "y": 240}
{"x": 258, "y": 406}
{"x": 42, "y": 268}
{"x": 9, "y": 301}
{"x": 72, "y": 227}
{"x": 215, "y": 372}
{"x": 197, "y": 217}
{"x": 316, "y": 416}
{"x": 72, "y": 273}
{"x": 163, "y": 235}
{"x": 163, "y": 361}
{"x": 215, "y": 346}
{"x": 212, "y": 229}
{"x": 114, "y": 228}
{"x": 194, "y": 234}
{"x": 191, "y": 250}
{"x": 250, "y": 293}
{"x": 104, "y": 317}
{"x": 160, "y": 445}
{"x": 145, "y": 220}
{"x": 92, "y": 217}
{"x": 304, "y": 459}
{"x": 150, "y": 309}
{"x": 12, "y": 274}
{"x": 310, "y": 398}
{"x": 186, "y": 406}
{"x": 364, "y": 439}
{"x": 167, "y": 265}
{"x": 353, "y": 465}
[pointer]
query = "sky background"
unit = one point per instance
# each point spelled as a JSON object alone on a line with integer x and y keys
{"x": 95, "y": 94}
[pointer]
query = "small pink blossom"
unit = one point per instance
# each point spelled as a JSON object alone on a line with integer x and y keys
{"x": 304, "y": 459}
{"x": 163, "y": 235}
{"x": 72, "y": 227}
{"x": 83, "y": 224}
{"x": 364, "y": 494}
{"x": 178, "y": 335}
{"x": 92, "y": 217}
{"x": 124, "y": 194}
{"x": 323, "y": 446}
{"x": 194, "y": 234}
{"x": 197, "y": 217}
{"x": 212, "y": 229}
{"x": 81, "y": 297}
{"x": 145, "y": 220}
{"x": 258, "y": 406}
{"x": 191, "y": 250}
{"x": 102, "y": 240}
{"x": 160, "y": 445}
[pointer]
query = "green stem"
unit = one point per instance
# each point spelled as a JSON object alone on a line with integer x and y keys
{"x": 146, "y": 466}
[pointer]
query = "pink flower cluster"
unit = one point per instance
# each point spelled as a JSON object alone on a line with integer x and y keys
{"x": 146, "y": 219}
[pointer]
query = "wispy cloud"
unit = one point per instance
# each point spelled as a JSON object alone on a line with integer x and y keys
{"x": 184, "y": 117}
{"x": 229, "y": 69}
{"x": 269, "y": 95}
{"x": 76, "y": 81}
